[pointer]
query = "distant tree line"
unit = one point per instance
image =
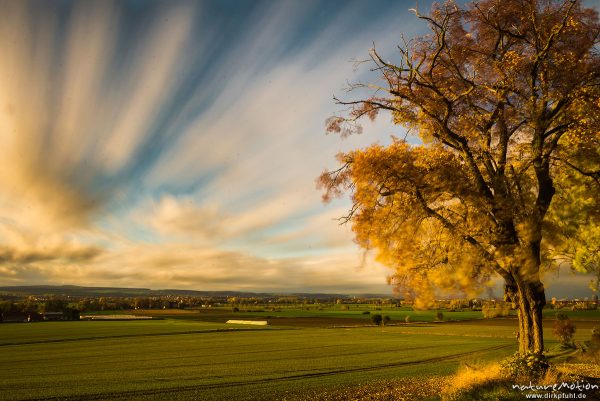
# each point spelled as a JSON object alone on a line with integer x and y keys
{"x": 67, "y": 304}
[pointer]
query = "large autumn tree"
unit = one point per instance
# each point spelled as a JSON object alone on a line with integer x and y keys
{"x": 505, "y": 98}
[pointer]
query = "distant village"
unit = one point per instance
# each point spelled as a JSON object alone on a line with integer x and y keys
{"x": 38, "y": 308}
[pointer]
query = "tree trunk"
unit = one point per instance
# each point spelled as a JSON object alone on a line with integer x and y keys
{"x": 529, "y": 298}
{"x": 531, "y": 302}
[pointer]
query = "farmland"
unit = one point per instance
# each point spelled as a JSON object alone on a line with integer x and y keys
{"x": 184, "y": 357}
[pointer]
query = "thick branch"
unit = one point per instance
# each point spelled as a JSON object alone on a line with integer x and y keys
{"x": 465, "y": 237}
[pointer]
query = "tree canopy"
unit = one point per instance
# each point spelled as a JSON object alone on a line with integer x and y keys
{"x": 505, "y": 98}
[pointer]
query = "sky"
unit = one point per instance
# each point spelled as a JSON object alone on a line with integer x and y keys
{"x": 176, "y": 144}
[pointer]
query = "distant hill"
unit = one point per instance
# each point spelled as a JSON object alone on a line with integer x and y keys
{"x": 77, "y": 291}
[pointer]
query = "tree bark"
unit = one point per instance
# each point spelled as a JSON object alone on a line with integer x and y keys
{"x": 529, "y": 298}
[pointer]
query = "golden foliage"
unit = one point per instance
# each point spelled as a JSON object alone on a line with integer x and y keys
{"x": 504, "y": 99}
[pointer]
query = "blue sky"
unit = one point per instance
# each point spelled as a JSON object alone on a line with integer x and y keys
{"x": 175, "y": 144}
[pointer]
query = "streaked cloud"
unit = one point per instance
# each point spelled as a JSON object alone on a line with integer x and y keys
{"x": 29, "y": 256}
{"x": 176, "y": 144}
{"x": 203, "y": 268}
{"x": 182, "y": 217}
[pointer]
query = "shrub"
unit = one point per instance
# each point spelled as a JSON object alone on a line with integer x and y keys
{"x": 439, "y": 316}
{"x": 71, "y": 314}
{"x": 596, "y": 335}
{"x": 563, "y": 329}
{"x": 235, "y": 309}
{"x": 594, "y": 344}
{"x": 386, "y": 320}
{"x": 366, "y": 312}
{"x": 488, "y": 312}
{"x": 407, "y": 319}
{"x": 497, "y": 309}
{"x": 530, "y": 366}
{"x": 377, "y": 319}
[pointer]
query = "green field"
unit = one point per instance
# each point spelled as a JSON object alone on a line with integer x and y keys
{"x": 184, "y": 359}
{"x": 358, "y": 312}
{"x": 396, "y": 314}
{"x": 309, "y": 316}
